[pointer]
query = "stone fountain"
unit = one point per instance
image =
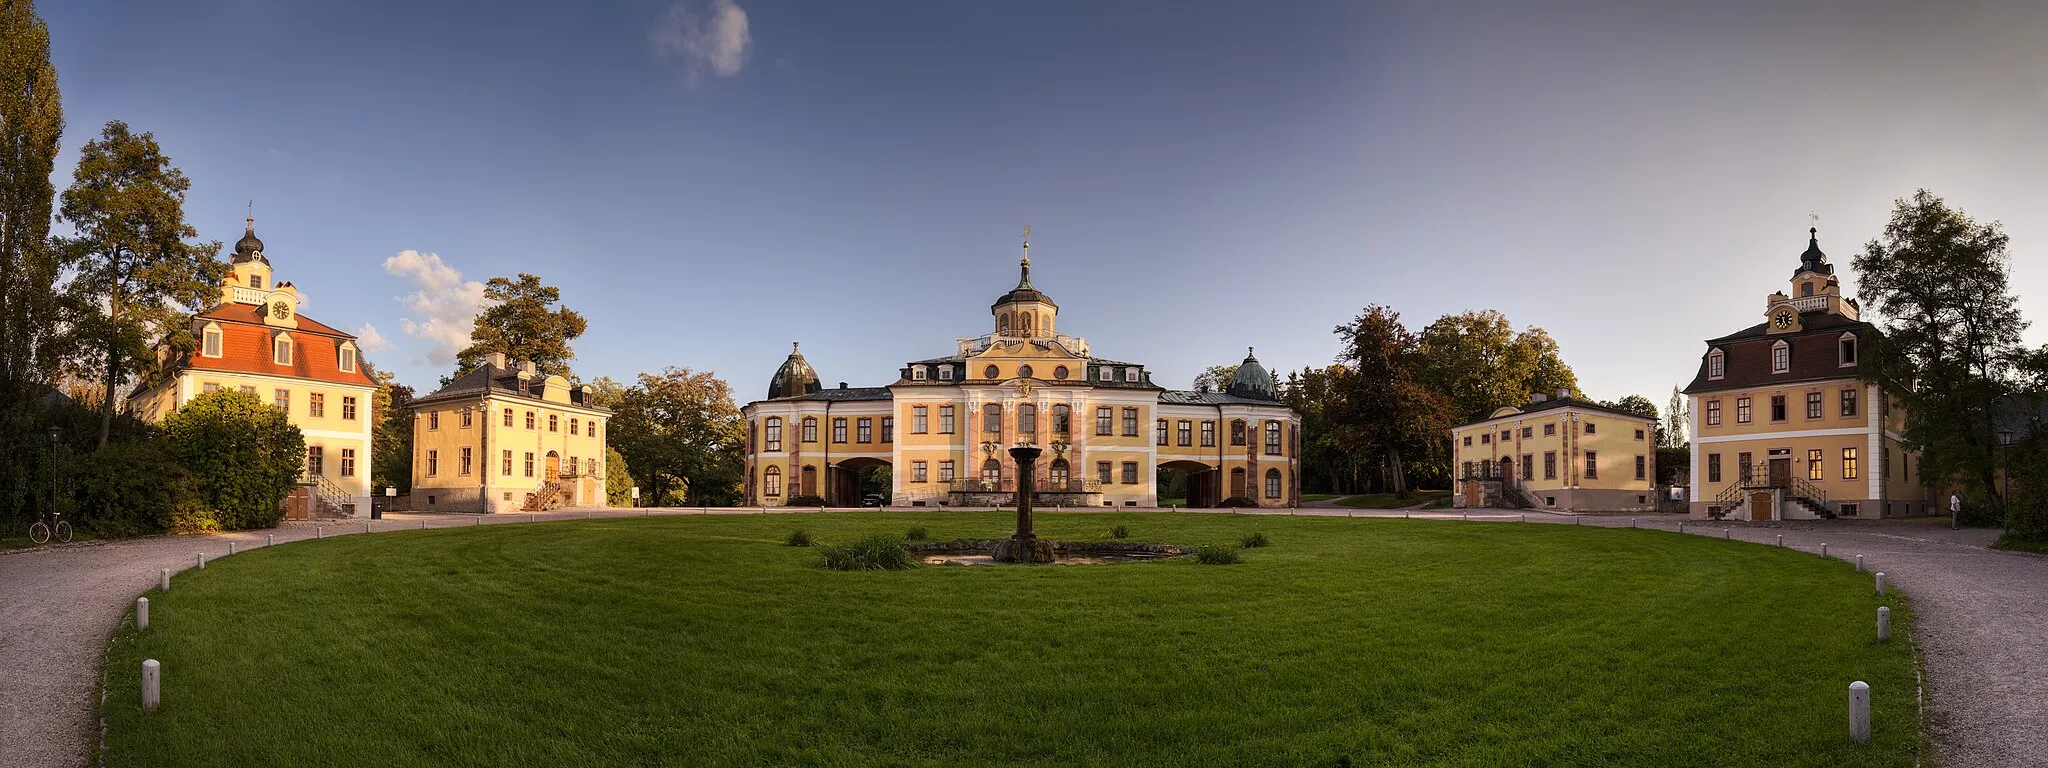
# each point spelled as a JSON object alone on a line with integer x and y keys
{"x": 1024, "y": 546}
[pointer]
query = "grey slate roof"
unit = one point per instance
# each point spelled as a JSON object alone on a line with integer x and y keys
{"x": 488, "y": 378}
{"x": 843, "y": 395}
{"x": 1186, "y": 397}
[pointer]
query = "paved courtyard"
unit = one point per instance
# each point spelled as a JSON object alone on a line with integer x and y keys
{"x": 1983, "y": 618}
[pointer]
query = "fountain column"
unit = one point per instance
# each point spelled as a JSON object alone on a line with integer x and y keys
{"x": 1024, "y": 546}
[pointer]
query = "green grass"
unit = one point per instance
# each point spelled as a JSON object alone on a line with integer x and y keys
{"x": 1388, "y": 501}
{"x": 705, "y": 641}
{"x": 1308, "y": 497}
{"x": 2017, "y": 544}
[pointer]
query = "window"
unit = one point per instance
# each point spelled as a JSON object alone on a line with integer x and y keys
{"x": 1468, "y": 441}
{"x": 864, "y": 429}
{"x": 773, "y": 438}
{"x": 888, "y": 429}
{"x": 316, "y": 459}
{"x": 1024, "y": 371}
{"x": 917, "y": 471}
{"x": 1467, "y": 475}
{"x": 1130, "y": 473}
{"x": 1528, "y": 432}
{"x": 505, "y": 464}
{"x": 839, "y": 429}
{"x": 1713, "y": 467}
{"x": 992, "y": 471}
{"x": 1642, "y": 467}
{"x": 1062, "y": 421}
{"x": 1027, "y": 422}
{"x": 1713, "y": 413}
{"x": 1185, "y": 433}
{"x": 1813, "y": 464}
{"x": 1848, "y": 402}
{"x": 554, "y": 423}
{"x": 1059, "y": 372}
{"x": 1592, "y": 465}
{"x": 508, "y": 417}
{"x": 1848, "y": 463}
{"x": 529, "y": 463}
{"x": 529, "y": 420}
{"x": 1528, "y": 466}
{"x": 282, "y": 400}
{"x": 1716, "y": 364}
{"x": 1813, "y": 405}
{"x": 1105, "y": 374}
{"x": 1237, "y": 433}
{"x": 1102, "y": 472}
{"x": 1506, "y": 435}
{"x": 945, "y": 373}
{"x": 946, "y": 470}
{"x": 1058, "y": 473}
{"x": 1549, "y": 430}
{"x": 1159, "y": 432}
{"x": 1591, "y": 427}
{"x": 256, "y": 281}
{"x": 1781, "y": 357}
{"x": 1486, "y": 439}
{"x": 809, "y": 429}
{"x": 1272, "y": 438}
{"x": 316, "y": 404}
{"x": 1208, "y": 434}
{"x": 1639, "y": 435}
{"x": 433, "y": 420}
{"x": 1848, "y": 350}
{"x": 771, "y": 482}
{"x": 946, "y": 419}
{"x": 991, "y": 420}
{"x": 211, "y": 346}
{"x": 1130, "y": 422}
{"x": 1742, "y": 410}
{"x": 1486, "y": 468}
{"x": 917, "y": 373}
{"x": 281, "y": 350}
{"x": 209, "y": 388}
{"x": 1849, "y": 510}
{"x": 462, "y": 468}
{"x": 575, "y": 425}
{"x": 1777, "y": 407}
{"x": 1806, "y": 289}
{"x": 348, "y": 410}
{"x": 1103, "y": 420}
{"x": 348, "y": 359}
{"x": 989, "y": 372}
{"x": 433, "y": 463}
{"x": 1272, "y": 483}
{"x": 246, "y": 389}
{"x": 1131, "y": 375}
{"x": 920, "y": 419}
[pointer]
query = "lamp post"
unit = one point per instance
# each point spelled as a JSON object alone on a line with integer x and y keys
{"x": 53, "y": 472}
{"x": 2005, "y": 474}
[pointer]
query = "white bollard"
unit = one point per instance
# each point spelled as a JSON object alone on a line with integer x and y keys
{"x": 479, "y": 520}
{"x": 1725, "y": 533}
{"x": 1884, "y": 624}
{"x": 231, "y": 547}
{"x": 423, "y": 525}
{"x": 152, "y": 684}
{"x": 202, "y": 560}
{"x": 1404, "y": 514}
{"x": 1681, "y": 526}
{"x": 1880, "y": 583}
{"x": 269, "y": 539}
{"x": 366, "y": 526}
{"x": 1823, "y": 549}
{"x": 165, "y": 584}
{"x": 1781, "y": 539}
{"x": 1859, "y": 563}
{"x": 1525, "y": 517}
{"x": 141, "y": 613}
{"x": 529, "y": 517}
{"x": 1859, "y": 712}
{"x": 1575, "y": 520}
{"x": 1466, "y": 516}
{"x": 316, "y": 531}
{"x": 1631, "y": 522}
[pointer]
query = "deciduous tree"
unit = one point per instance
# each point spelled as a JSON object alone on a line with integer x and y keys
{"x": 681, "y": 425}
{"x": 390, "y": 432}
{"x": 1215, "y": 378}
{"x": 1480, "y": 362}
{"x": 524, "y": 324}
{"x": 31, "y": 121}
{"x": 243, "y": 454}
{"x": 1387, "y": 415}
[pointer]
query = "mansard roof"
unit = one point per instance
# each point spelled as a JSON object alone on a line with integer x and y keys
{"x": 1815, "y": 354}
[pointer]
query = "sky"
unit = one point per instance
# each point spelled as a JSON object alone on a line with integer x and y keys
{"x": 710, "y": 180}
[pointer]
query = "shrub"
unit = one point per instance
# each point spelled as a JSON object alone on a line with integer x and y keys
{"x": 618, "y": 485}
{"x": 1254, "y": 540}
{"x": 1217, "y": 555}
{"x": 137, "y": 488}
{"x": 807, "y": 501}
{"x": 1239, "y": 501}
{"x": 1120, "y": 532}
{"x": 874, "y": 553}
{"x": 917, "y": 534}
{"x": 244, "y": 456}
{"x": 799, "y": 538}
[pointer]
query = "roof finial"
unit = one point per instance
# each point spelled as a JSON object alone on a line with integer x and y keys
{"x": 251, "y": 221}
{"x": 1248, "y": 352}
{"x": 792, "y": 347}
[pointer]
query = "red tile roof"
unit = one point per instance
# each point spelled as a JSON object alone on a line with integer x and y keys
{"x": 246, "y": 348}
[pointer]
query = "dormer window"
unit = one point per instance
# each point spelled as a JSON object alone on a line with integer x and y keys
{"x": 348, "y": 360}
{"x": 1781, "y": 357}
{"x": 1717, "y": 364}
{"x": 1848, "y": 350}
{"x": 1131, "y": 375}
{"x": 209, "y": 345}
{"x": 917, "y": 373}
{"x": 945, "y": 373}
{"x": 281, "y": 350}
{"x": 1106, "y": 374}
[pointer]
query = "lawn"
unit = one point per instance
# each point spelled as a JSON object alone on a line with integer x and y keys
{"x": 1389, "y": 501}
{"x": 704, "y": 641}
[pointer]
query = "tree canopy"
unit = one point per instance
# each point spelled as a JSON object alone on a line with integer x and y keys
{"x": 1479, "y": 362}
{"x": 31, "y": 122}
{"x": 681, "y": 427}
{"x": 1386, "y": 415}
{"x": 243, "y": 454}
{"x": 523, "y": 322}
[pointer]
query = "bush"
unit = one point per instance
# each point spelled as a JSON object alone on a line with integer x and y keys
{"x": 1119, "y": 532}
{"x": 1215, "y": 555}
{"x": 1239, "y": 501}
{"x": 137, "y": 488}
{"x": 799, "y": 538}
{"x": 874, "y": 553}
{"x": 806, "y": 501}
{"x": 618, "y": 484}
{"x": 1254, "y": 540}
{"x": 243, "y": 455}
{"x": 917, "y": 534}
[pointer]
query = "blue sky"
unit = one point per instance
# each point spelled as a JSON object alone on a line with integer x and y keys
{"x": 708, "y": 181}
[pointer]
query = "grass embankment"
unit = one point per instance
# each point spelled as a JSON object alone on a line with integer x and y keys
{"x": 2017, "y": 544}
{"x": 1389, "y": 501}
{"x": 706, "y": 641}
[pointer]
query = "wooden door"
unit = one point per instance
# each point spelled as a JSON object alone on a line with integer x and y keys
{"x": 554, "y": 467}
{"x": 1762, "y": 507}
{"x": 1781, "y": 471}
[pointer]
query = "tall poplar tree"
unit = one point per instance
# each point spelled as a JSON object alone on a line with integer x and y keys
{"x": 132, "y": 264}
{"x": 31, "y": 120}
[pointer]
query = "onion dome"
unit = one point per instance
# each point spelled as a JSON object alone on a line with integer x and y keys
{"x": 249, "y": 248}
{"x": 795, "y": 377}
{"x": 1813, "y": 260}
{"x": 1252, "y": 381}
{"x": 1024, "y": 292}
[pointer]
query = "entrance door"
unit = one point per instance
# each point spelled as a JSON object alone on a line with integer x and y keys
{"x": 1762, "y": 507}
{"x": 1781, "y": 471}
{"x": 554, "y": 467}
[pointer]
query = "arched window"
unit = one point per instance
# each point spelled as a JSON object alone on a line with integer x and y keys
{"x": 1062, "y": 419}
{"x": 810, "y": 429}
{"x": 991, "y": 471}
{"x": 773, "y": 437}
{"x": 810, "y": 481}
{"x": 1024, "y": 323}
{"x": 1237, "y": 482}
{"x": 1272, "y": 483}
{"x": 992, "y": 420}
{"x": 1027, "y": 422}
{"x": 1058, "y": 473}
{"x": 1003, "y": 323}
{"x": 1272, "y": 438}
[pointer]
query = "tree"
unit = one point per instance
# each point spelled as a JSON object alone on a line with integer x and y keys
{"x": 1480, "y": 362}
{"x": 243, "y": 454}
{"x": 1215, "y": 378}
{"x": 31, "y": 121}
{"x": 604, "y": 392}
{"x": 618, "y": 480}
{"x": 523, "y": 324}
{"x": 1676, "y": 432}
{"x": 1386, "y": 413}
{"x": 1949, "y": 342}
{"x": 682, "y": 426}
{"x": 131, "y": 263}
{"x": 1315, "y": 393}
{"x": 390, "y": 432}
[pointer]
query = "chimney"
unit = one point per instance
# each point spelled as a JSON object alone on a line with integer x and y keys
{"x": 1564, "y": 394}
{"x": 1537, "y": 398}
{"x": 495, "y": 359}
{"x": 527, "y": 367}
{"x": 842, "y": 385}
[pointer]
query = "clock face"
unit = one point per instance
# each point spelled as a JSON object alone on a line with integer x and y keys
{"x": 1784, "y": 319}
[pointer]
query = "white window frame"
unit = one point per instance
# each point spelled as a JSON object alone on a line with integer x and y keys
{"x": 917, "y": 373}
{"x": 211, "y": 341}
{"x": 347, "y": 360}
{"x": 945, "y": 373}
{"x": 1781, "y": 358}
{"x": 1131, "y": 375}
{"x": 1854, "y": 344}
{"x": 1717, "y": 365}
{"x": 282, "y": 344}
{"x": 1107, "y": 374}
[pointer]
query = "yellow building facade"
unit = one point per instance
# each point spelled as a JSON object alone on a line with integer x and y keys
{"x": 1556, "y": 453}
{"x": 1784, "y": 426}
{"x": 254, "y": 340}
{"x": 945, "y": 426}
{"x": 504, "y": 438}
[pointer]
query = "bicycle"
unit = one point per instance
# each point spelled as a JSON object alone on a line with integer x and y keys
{"x": 41, "y": 531}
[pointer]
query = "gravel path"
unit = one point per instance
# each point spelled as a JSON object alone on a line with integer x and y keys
{"x": 1982, "y": 620}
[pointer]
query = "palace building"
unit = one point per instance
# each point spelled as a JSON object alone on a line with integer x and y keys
{"x": 944, "y": 427}
{"x": 1556, "y": 453}
{"x": 254, "y": 340}
{"x": 1784, "y": 425}
{"x": 504, "y": 438}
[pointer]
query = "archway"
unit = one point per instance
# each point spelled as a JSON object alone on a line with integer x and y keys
{"x": 855, "y": 478}
{"x": 1200, "y": 483}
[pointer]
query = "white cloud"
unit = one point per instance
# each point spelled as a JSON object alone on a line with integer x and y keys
{"x": 370, "y": 340}
{"x": 710, "y": 38}
{"x": 443, "y": 310}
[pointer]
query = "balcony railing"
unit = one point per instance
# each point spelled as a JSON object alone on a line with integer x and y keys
{"x": 247, "y": 295}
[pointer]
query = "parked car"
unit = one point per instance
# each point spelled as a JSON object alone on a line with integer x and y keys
{"x": 874, "y": 500}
